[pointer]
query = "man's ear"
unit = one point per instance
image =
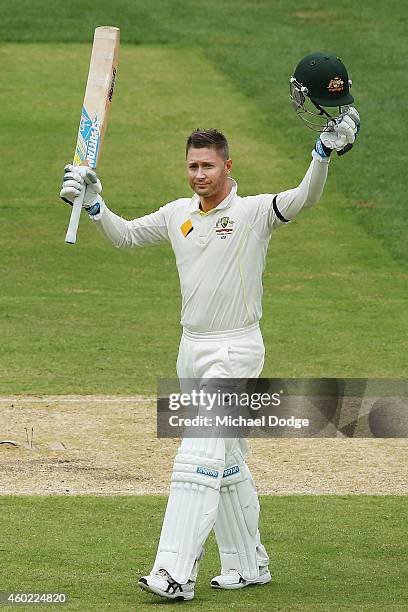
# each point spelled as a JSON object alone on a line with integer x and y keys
{"x": 228, "y": 166}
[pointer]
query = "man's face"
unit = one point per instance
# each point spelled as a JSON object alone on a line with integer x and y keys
{"x": 207, "y": 171}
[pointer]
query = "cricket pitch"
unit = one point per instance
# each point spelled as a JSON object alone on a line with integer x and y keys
{"x": 107, "y": 445}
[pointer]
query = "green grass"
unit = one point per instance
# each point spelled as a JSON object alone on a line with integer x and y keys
{"x": 256, "y": 44}
{"x": 91, "y": 319}
{"x": 328, "y": 553}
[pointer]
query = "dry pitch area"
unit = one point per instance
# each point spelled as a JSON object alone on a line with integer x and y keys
{"x": 108, "y": 446}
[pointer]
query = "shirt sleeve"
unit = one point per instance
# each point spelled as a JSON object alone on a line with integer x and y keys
{"x": 149, "y": 229}
{"x": 286, "y": 205}
{"x": 273, "y": 210}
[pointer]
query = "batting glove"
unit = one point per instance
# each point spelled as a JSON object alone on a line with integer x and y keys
{"x": 72, "y": 184}
{"x": 341, "y": 134}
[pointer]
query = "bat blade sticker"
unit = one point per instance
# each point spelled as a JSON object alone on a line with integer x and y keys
{"x": 89, "y": 135}
{"x": 93, "y": 142}
{"x": 83, "y": 135}
{"x": 85, "y": 124}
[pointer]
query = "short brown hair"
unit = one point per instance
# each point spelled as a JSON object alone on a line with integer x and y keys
{"x": 208, "y": 138}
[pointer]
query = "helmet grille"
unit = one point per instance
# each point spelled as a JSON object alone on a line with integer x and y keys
{"x": 312, "y": 114}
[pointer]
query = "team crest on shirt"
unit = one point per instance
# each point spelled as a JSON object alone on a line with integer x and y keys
{"x": 224, "y": 226}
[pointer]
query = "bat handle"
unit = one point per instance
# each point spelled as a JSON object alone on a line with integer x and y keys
{"x": 71, "y": 235}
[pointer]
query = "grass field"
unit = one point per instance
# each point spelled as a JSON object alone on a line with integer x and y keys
{"x": 333, "y": 553}
{"x": 335, "y": 282}
{"x": 256, "y": 44}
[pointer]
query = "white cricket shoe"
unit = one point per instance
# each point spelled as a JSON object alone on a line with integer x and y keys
{"x": 231, "y": 579}
{"x": 161, "y": 583}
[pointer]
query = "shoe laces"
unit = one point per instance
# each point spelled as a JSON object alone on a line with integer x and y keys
{"x": 162, "y": 573}
{"x": 229, "y": 572}
{"x": 232, "y": 572}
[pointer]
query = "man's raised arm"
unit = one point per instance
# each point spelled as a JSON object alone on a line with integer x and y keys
{"x": 287, "y": 204}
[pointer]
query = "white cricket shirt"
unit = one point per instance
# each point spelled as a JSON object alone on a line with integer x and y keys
{"x": 220, "y": 255}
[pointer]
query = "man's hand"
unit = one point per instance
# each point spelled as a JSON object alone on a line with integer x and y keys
{"x": 342, "y": 131}
{"x": 341, "y": 134}
{"x": 72, "y": 184}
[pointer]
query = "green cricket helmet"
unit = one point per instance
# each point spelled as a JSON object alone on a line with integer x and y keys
{"x": 322, "y": 80}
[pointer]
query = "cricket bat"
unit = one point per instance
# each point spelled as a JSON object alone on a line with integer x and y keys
{"x": 98, "y": 97}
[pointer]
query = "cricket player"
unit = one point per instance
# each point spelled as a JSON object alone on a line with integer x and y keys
{"x": 220, "y": 241}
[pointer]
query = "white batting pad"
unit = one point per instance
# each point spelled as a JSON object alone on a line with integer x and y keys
{"x": 236, "y": 527}
{"x": 192, "y": 506}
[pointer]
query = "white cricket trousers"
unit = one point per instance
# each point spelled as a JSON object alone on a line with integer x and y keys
{"x": 238, "y": 353}
{"x": 229, "y": 505}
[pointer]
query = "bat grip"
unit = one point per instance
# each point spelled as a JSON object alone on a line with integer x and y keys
{"x": 71, "y": 235}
